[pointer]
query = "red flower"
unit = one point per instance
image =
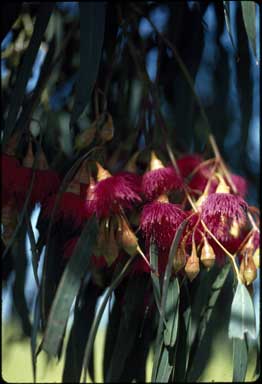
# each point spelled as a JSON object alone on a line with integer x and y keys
{"x": 70, "y": 207}
{"x": 188, "y": 163}
{"x": 112, "y": 193}
{"x": 220, "y": 210}
{"x": 198, "y": 181}
{"x": 10, "y": 170}
{"x": 159, "y": 181}
{"x": 46, "y": 182}
{"x": 240, "y": 184}
{"x": 160, "y": 221}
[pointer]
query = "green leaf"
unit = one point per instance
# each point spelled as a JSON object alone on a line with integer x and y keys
{"x": 242, "y": 318}
{"x": 25, "y": 70}
{"x": 249, "y": 16}
{"x": 83, "y": 317}
{"x": 153, "y": 253}
{"x": 214, "y": 294}
{"x": 132, "y": 314}
{"x": 111, "y": 332}
{"x": 68, "y": 288}
{"x": 33, "y": 339}
{"x": 171, "y": 313}
{"x": 173, "y": 250}
{"x": 240, "y": 360}
{"x": 99, "y": 315}
{"x": 92, "y": 24}
{"x": 18, "y": 289}
{"x": 165, "y": 369}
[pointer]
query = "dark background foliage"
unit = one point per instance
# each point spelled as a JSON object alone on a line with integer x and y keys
{"x": 222, "y": 66}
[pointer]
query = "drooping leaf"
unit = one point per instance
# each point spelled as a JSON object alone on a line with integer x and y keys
{"x": 155, "y": 279}
{"x": 20, "y": 264}
{"x": 240, "y": 359}
{"x": 242, "y": 318}
{"x": 249, "y": 16}
{"x": 25, "y": 70}
{"x": 68, "y": 288}
{"x": 165, "y": 369}
{"x": 34, "y": 249}
{"x": 131, "y": 319}
{"x": 83, "y": 317}
{"x": 214, "y": 294}
{"x": 228, "y": 23}
{"x": 171, "y": 313}
{"x": 92, "y": 23}
{"x": 135, "y": 366}
{"x": 111, "y": 333}
{"x": 35, "y": 329}
{"x": 98, "y": 317}
{"x": 207, "y": 326}
{"x": 172, "y": 252}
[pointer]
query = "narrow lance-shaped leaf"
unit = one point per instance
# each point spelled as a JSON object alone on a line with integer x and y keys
{"x": 171, "y": 313}
{"x": 227, "y": 20}
{"x": 155, "y": 279}
{"x": 92, "y": 24}
{"x": 68, "y": 288}
{"x": 242, "y": 318}
{"x": 240, "y": 359}
{"x": 24, "y": 73}
{"x": 172, "y": 252}
{"x": 83, "y": 317}
{"x": 249, "y": 16}
{"x": 165, "y": 368}
{"x": 100, "y": 312}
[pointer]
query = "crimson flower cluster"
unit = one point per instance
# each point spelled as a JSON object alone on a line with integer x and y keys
{"x": 136, "y": 209}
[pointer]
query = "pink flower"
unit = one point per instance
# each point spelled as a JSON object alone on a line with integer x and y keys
{"x": 159, "y": 181}
{"x": 160, "y": 221}
{"x": 240, "y": 184}
{"x": 220, "y": 210}
{"x": 113, "y": 193}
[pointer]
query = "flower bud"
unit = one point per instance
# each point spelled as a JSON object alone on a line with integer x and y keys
{"x": 155, "y": 162}
{"x": 111, "y": 250}
{"x": 207, "y": 254}
{"x": 234, "y": 229}
{"x": 11, "y": 145}
{"x": 163, "y": 198}
{"x": 82, "y": 174}
{"x": 192, "y": 265}
{"x": 86, "y": 137}
{"x": 102, "y": 173}
{"x": 222, "y": 186}
{"x": 256, "y": 258}
{"x": 126, "y": 238}
{"x": 179, "y": 260}
{"x": 250, "y": 271}
{"x": 73, "y": 187}
{"x": 42, "y": 163}
{"x": 29, "y": 157}
{"x": 131, "y": 164}
{"x": 107, "y": 131}
{"x": 9, "y": 221}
